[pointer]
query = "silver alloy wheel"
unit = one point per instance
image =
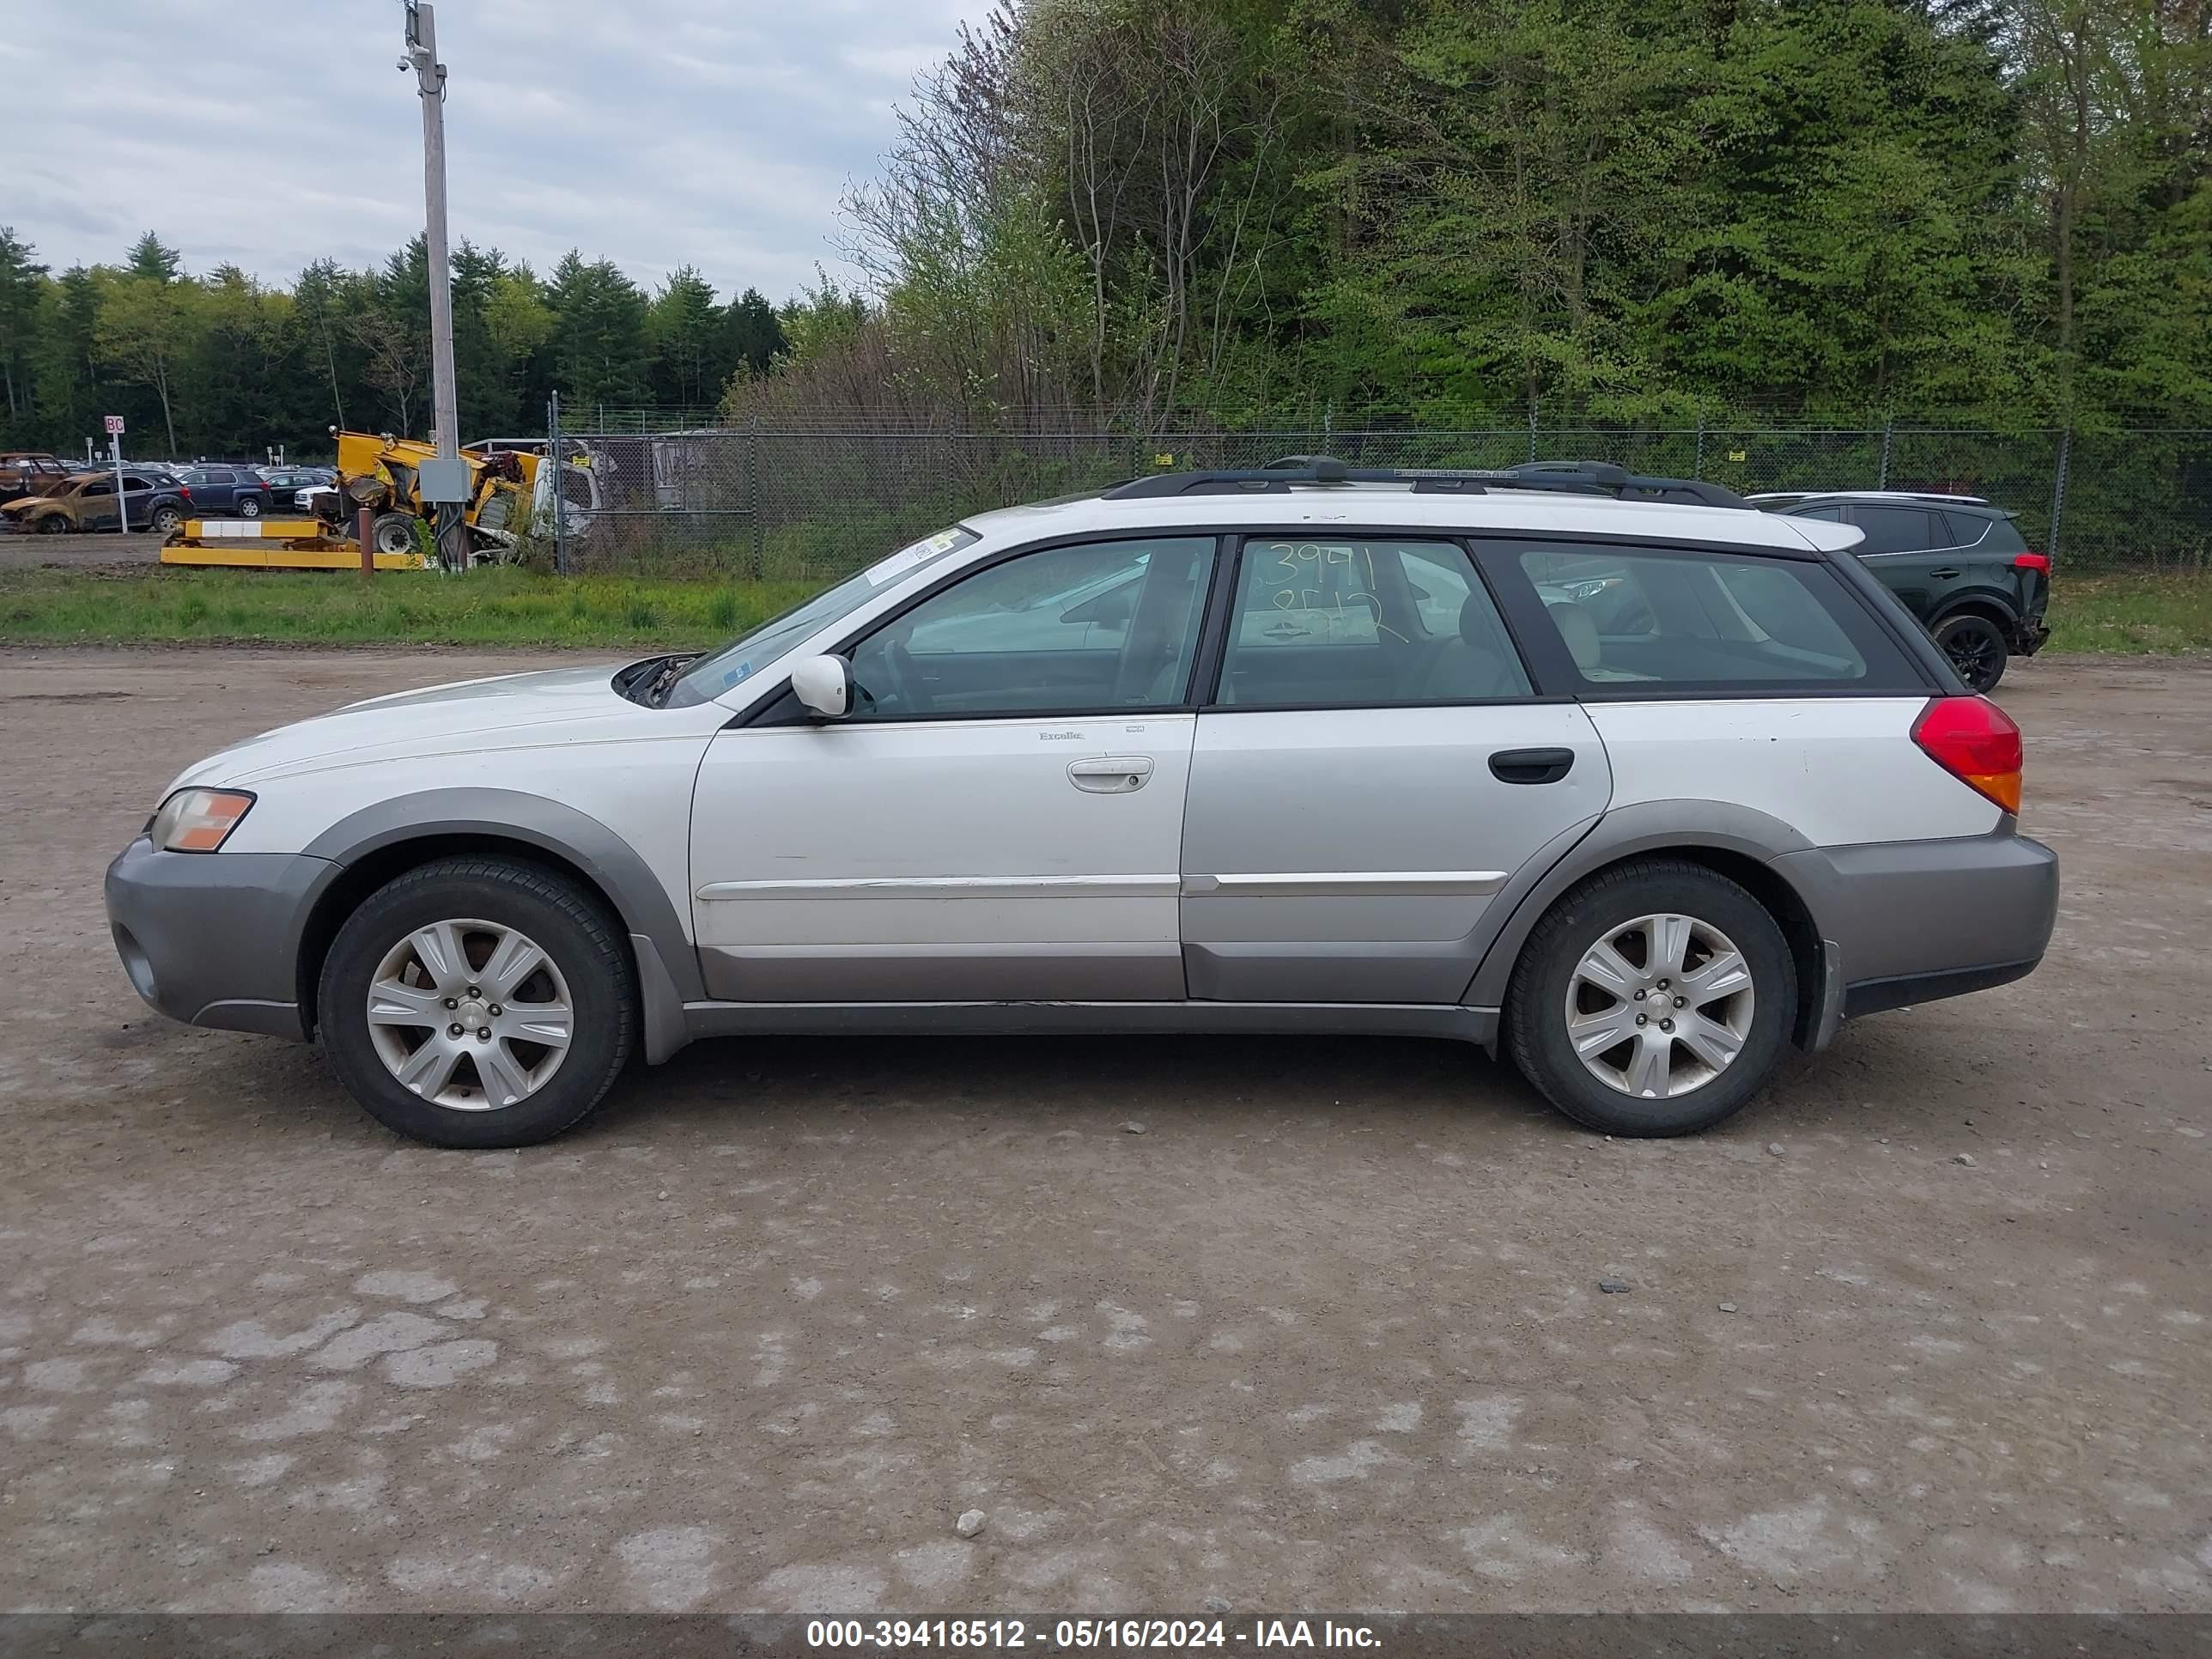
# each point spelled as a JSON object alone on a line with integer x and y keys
{"x": 470, "y": 1015}
{"x": 1660, "y": 1006}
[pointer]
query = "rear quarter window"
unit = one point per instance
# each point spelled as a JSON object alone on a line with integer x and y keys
{"x": 1633, "y": 621}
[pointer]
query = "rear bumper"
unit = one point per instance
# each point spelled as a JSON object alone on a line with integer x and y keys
{"x": 1915, "y": 921}
{"x": 2027, "y": 636}
{"x": 213, "y": 938}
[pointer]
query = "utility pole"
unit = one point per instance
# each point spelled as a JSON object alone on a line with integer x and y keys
{"x": 430, "y": 85}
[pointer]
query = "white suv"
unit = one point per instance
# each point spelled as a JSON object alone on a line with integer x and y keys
{"x": 1637, "y": 782}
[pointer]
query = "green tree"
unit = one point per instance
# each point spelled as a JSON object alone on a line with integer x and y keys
{"x": 154, "y": 260}
{"x": 752, "y": 334}
{"x": 688, "y": 363}
{"x": 21, "y": 285}
{"x": 598, "y": 341}
{"x": 148, "y": 329}
{"x": 65, "y": 359}
{"x": 520, "y": 324}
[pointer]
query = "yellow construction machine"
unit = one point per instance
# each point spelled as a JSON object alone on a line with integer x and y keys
{"x": 376, "y": 471}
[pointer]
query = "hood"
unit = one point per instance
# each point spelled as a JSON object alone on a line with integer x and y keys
{"x": 511, "y": 710}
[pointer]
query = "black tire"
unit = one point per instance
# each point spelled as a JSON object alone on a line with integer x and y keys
{"x": 1976, "y": 647}
{"x": 53, "y": 525}
{"x": 570, "y": 926}
{"x": 167, "y": 520}
{"x": 392, "y": 532}
{"x": 1536, "y": 1000}
{"x": 249, "y": 506}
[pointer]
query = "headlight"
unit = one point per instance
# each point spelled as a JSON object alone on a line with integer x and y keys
{"x": 198, "y": 820}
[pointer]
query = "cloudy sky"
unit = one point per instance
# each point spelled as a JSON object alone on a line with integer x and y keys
{"x": 270, "y": 132}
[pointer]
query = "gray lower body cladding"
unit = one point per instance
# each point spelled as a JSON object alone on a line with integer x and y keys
{"x": 213, "y": 938}
{"x": 1915, "y": 921}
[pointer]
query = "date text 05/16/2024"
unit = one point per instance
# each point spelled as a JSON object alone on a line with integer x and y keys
{"x": 1164, "y": 1634}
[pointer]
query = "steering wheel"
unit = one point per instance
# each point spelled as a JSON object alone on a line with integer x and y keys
{"x": 906, "y": 677}
{"x": 894, "y": 667}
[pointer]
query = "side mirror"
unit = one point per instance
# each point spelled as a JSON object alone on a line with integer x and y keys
{"x": 824, "y": 686}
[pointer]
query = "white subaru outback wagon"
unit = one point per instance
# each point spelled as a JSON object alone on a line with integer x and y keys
{"x": 1615, "y": 773}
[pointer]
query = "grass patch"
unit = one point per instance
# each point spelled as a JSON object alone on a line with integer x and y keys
{"x": 2131, "y": 614}
{"x": 504, "y": 606}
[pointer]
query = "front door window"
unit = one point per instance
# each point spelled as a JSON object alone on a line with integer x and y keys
{"x": 1103, "y": 627}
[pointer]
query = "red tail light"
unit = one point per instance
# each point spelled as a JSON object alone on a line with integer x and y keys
{"x": 1976, "y": 743}
{"x": 2031, "y": 561}
{"x": 184, "y": 490}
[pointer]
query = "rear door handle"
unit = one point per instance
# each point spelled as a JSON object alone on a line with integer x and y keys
{"x": 1531, "y": 765}
{"x": 1110, "y": 774}
{"x": 1947, "y": 573}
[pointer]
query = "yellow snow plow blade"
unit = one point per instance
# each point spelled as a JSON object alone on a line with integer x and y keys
{"x": 274, "y": 544}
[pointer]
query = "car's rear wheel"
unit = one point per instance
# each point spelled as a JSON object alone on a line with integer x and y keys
{"x": 167, "y": 520}
{"x": 249, "y": 506}
{"x": 1976, "y": 647}
{"x": 478, "y": 1002}
{"x": 1653, "y": 999}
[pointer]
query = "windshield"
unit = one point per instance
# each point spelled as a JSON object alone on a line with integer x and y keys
{"x": 747, "y": 655}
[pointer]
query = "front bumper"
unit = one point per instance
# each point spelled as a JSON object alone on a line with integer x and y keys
{"x": 1911, "y": 921}
{"x": 213, "y": 938}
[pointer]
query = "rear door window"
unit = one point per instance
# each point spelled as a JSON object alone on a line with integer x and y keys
{"x": 1899, "y": 529}
{"x": 1634, "y": 622}
{"x": 1363, "y": 624}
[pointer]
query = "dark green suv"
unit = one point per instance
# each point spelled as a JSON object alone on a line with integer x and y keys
{"x": 1958, "y": 562}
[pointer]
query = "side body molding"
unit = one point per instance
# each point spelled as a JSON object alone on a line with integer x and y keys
{"x": 668, "y": 966}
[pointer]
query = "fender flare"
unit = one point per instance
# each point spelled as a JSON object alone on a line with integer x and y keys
{"x": 1980, "y": 599}
{"x": 667, "y": 963}
{"x": 1649, "y": 827}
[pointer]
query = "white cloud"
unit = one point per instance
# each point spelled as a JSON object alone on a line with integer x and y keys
{"x": 268, "y": 133}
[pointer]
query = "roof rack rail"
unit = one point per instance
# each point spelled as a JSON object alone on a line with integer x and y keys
{"x": 1568, "y": 478}
{"x": 1870, "y": 495}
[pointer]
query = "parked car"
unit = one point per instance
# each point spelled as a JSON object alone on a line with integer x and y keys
{"x": 289, "y": 484}
{"x": 87, "y": 501}
{"x": 31, "y": 473}
{"x": 1959, "y": 564}
{"x": 239, "y": 489}
{"x": 1362, "y": 757}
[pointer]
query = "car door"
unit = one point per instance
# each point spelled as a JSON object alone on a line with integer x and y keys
{"x": 1905, "y": 549}
{"x": 1371, "y": 773}
{"x": 138, "y": 493}
{"x": 999, "y": 818}
{"x": 95, "y": 503}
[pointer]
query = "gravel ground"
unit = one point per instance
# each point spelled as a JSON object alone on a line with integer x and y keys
{"x": 28, "y": 552}
{"x": 1925, "y": 1328}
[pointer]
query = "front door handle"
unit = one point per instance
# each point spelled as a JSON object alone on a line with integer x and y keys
{"x": 1531, "y": 765}
{"x": 1110, "y": 774}
{"x": 1947, "y": 573}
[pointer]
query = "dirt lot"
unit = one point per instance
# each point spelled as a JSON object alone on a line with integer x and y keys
{"x": 28, "y": 552}
{"x": 1327, "y": 1333}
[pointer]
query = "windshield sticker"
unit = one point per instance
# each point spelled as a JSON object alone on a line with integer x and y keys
{"x": 907, "y": 557}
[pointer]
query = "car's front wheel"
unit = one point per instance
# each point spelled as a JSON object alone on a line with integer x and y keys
{"x": 52, "y": 525}
{"x": 1653, "y": 999}
{"x": 478, "y": 1002}
{"x": 1976, "y": 647}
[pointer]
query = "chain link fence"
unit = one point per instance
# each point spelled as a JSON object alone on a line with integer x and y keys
{"x": 816, "y": 502}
